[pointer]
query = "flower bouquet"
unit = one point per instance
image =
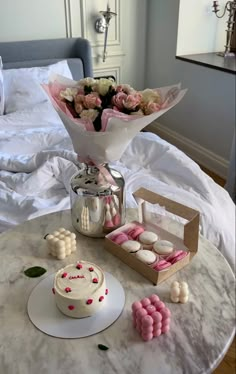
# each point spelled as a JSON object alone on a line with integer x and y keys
{"x": 102, "y": 117}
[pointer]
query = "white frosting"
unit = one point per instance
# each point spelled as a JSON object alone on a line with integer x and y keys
{"x": 80, "y": 292}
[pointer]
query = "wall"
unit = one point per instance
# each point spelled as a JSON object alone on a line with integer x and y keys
{"x": 199, "y": 30}
{"x": 31, "y": 20}
{"x": 203, "y": 123}
{"x": 125, "y": 58}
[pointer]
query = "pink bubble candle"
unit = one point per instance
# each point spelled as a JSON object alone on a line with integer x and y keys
{"x": 151, "y": 317}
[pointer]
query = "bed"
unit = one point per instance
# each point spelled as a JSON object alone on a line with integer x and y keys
{"x": 37, "y": 158}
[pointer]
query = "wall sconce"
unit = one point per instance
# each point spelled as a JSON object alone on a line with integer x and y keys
{"x": 102, "y": 25}
{"x": 230, "y": 6}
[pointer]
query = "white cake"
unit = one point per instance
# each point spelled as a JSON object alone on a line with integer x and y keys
{"x": 80, "y": 289}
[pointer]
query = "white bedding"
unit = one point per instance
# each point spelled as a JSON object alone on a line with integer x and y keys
{"x": 37, "y": 161}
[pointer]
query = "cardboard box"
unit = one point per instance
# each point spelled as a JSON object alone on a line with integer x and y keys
{"x": 189, "y": 242}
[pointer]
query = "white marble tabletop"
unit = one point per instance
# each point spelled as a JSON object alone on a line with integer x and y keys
{"x": 201, "y": 330}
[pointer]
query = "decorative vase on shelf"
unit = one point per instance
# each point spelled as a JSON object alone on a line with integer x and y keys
{"x": 97, "y": 202}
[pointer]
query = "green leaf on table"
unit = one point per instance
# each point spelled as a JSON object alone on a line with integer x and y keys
{"x": 102, "y": 347}
{"x": 34, "y": 272}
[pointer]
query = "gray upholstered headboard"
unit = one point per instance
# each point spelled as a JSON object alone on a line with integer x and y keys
{"x": 77, "y": 51}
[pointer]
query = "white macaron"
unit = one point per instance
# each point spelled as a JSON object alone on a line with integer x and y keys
{"x": 163, "y": 247}
{"x": 131, "y": 246}
{"x": 147, "y": 239}
{"x": 146, "y": 256}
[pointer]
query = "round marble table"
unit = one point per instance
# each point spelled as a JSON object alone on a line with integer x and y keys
{"x": 201, "y": 330}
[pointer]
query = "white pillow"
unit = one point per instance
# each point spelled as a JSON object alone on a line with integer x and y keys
{"x": 1, "y": 89}
{"x": 22, "y": 87}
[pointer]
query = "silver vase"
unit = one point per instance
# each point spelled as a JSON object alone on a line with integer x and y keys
{"x": 97, "y": 206}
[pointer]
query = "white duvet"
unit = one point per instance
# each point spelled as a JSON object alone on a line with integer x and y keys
{"x": 37, "y": 162}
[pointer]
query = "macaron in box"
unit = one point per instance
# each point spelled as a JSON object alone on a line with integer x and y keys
{"x": 148, "y": 247}
{"x": 129, "y": 244}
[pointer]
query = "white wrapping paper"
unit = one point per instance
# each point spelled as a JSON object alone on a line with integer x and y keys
{"x": 109, "y": 145}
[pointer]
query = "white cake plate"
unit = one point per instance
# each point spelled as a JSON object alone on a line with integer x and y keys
{"x": 44, "y": 314}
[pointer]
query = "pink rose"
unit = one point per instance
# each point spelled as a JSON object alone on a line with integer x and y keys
{"x": 78, "y": 108}
{"x": 79, "y": 99}
{"x": 132, "y": 101}
{"x": 126, "y": 88}
{"x": 78, "y": 104}
{"x": 92, "y": 101}
{"x": 118, "y": 100}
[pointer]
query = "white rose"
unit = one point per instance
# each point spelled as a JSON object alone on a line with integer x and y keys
{"x": 86, "y": 82}
{"x": 149, "y": 96}
{"x": 102, "y": 86}
{"x": 69, "y": 93}
{"x": 90, "y": 114}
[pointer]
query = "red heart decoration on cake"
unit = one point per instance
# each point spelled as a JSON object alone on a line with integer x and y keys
{"x": 91, "y": 269}
{"x": 101, "y": 298}
{"x": 53, "y": 290}
{"x": 95, "y": 280}
{"x": 68, "y": 289}
{"x": 89, "y": 301}
{"x": 79, "y": 266}
{"x": 64, "y": 275}
{"x": 106, "y": 292}
{"x": 71, "y": 307}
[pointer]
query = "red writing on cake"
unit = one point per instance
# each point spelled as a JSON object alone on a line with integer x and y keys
{"x": 76, "y": 276}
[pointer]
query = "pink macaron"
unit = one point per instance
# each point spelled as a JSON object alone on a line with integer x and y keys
{"x": 162, "y": 265}
{"x": 176, "y": 256}
{"x": 179, "y": 257}
{"x": 119, "y": 238}
{"x": 135, "y": 232}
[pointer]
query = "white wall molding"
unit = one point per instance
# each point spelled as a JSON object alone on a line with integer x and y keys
{"x": 89, "y": 14}
{"x": 75, "y": 18}
{"x": 33, "y": 20}
{"x": 119, "y": 53}
{"x": 126, "y": 50}
{"x": 201, "y": 155}
{"x": 108, "y": 70}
